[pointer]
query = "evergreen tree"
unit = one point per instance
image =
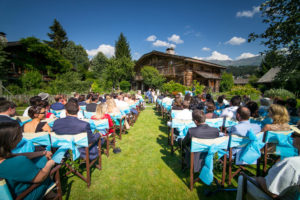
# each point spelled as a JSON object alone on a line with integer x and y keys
{"x": 58, "y": 36}
{"x": 122, "y": 47}
{"x": 99, "y": 63}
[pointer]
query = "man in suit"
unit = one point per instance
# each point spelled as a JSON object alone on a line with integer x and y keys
{"x": 7, "y": 110}
{"x": 91, "y": 107}
{"x": 201, "y": 131}
{"x": 72, "y": 125}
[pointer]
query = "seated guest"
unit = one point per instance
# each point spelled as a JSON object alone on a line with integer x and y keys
{"x": 280, "y": 117}
{"x": 114, "y": 111}
{"x": 71, "y": 125}
{"x": 282, "y": 181}
{"x": 253, "y": 107}
{"x": 21, "y": 171}
{"x": 196, "y": 103}
{"x": 79, "y": 114}
{"x": 220, "y": 105}
{"x": 177, "y": 105}
{"x": 264, "y": 106}
{"x": 209, "y": 98}
{"x": 33, "y": 102}
{"x": 58, "y": 105}
{"x": 131, "y": 101}
{"x": 185, "y": 114}
{"x": 291, "y": 105}
{"x": 246, "y": 99}
{"x": 46, "y": 105}
{"x": 210, "y": 108}
{"x": 91, "y": 107}
{"x": 225, "y": 101}
{"x": 280, "y": 101}
{"x": 88, "y": 98}
{"x": 231, "y": 111}
{"x": 187, "y": 97}
{"x": 201, "y": 131}
{"x": 244, "y": 125}
{"x": 81, "y": 100}
{"x": 6, "y": 111}
{"x": 37, "y": 114}
{"x": 101, "y": 113}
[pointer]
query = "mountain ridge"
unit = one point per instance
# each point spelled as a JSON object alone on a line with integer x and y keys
{"x": 253, "y": 61}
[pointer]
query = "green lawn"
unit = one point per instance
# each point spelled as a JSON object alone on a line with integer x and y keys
{"x": 144, "y": 169}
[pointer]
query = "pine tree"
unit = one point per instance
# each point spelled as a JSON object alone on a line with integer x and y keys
{"x": 122, "y": 47}
{"x": 58, "y": 36}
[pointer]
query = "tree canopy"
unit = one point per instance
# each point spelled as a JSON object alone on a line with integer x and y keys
{"x": 122, "y": 48}
{"x": 151, "y": 77}
{"x": 99, "y": 63}
{"x": 58, "y": 36}
{"x": 226, "y": 82}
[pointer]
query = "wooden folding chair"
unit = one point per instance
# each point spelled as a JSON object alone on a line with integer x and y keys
{"x": 271, "y": 141}
{"x": 120, "y": 125}
{"x": 40, "y": 139}
{"x": 88, "y": 163}
{"x": 6, "y": 194}
{"x": 241, "y": 167}
{"x": 209, "y": 142}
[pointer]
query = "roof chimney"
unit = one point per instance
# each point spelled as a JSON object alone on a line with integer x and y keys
{"x": 170, "y": 50}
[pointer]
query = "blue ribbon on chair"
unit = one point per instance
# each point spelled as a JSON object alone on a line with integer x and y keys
{"x": 284, "y": 147}
{"x": 64, "y": 145}
{"x": 88, "y": 115}
{"x": 51, "y": 123}
{"x": 24, "y": 122}
{"x": 4, "y": 191}
{"x": 83, "y": 108}
{"x": 294, "y": 120}
{"x": 99, "y": 127}
{"x": 116, "y": 118}
{"x": 206, "y": 174}
{"x": 24, "y": 146}
{"x": 251, "y": 152}
{"x": 183, "y": 127}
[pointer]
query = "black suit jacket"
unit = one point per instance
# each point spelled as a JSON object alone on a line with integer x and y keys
{"x": 72, "y": 126}
{"x": 91, "y": 107}
{"x": 4, "y": 118}
{"x": 202, "y": 131}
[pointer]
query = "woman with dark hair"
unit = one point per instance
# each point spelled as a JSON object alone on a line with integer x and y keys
{"x": 37, "y": 114}
{"x": 46, "y": 105}
{"x": 253, "y": 107}
{"x": 22, "y": 170}
{"x": 210, "y": 108}
{"x": 177, "y": 105}
{"x": 81, "y": 100}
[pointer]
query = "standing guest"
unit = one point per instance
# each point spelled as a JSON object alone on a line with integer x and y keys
{"x": 153, "y": 96}
{"x": 210, "y": 108}
{"x": 71, "y": 125}
{"x": 280, "y": 117}
{"x": 201, "y": 131}
{"x": 91, "y": 107}
{"x": 220, "y": 105}
{"x": 231, "y": 111}
{"x": 148, "y": 94}
{"x": 37, "y": 114}
{"x": 21, "y": 171}
{"x": 33, "y": 102}
{"x": 244, "y": 125}
{"x": 253, "y": 107}
{"x": 58, "y": 105}
{"x": 101, "y": 113}
{"x": 81, "y": 100}
{"x": 6, "y": 111}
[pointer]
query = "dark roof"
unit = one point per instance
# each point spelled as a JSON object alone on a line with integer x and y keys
{"x": 207, "y": 75}
{"x": 269, "y": 76}
{"x": 241, "y": 81}
{"x": 188, "y": 59}
{"x": 13, "y": 44}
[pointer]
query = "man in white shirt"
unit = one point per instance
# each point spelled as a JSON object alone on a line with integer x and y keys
{"x": 184, "y": 114}
{"x": 231, "y": 111}
{"x": 121, "y": 105}
{"x": 283, "y": 179}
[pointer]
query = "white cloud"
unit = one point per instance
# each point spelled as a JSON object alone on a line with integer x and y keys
{"x": 246, "y": 55}
{"x": 136, "y": 55}
{"x": 236, "y": 41}
{"x": 205, "y": 49}
{"x": 159, "y": 43}
{"x": 175, "y": 38}
{"x": 199, "y": 58}
{"x": 218, "y": 56}
{"x": 106, "y": 49}
{"x": 248, "y": 13}
{"x": 151, "y": 38}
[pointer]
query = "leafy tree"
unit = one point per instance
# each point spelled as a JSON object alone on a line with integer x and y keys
{"x": 3, "y": 60}
{"x": 99, "y": 63}
{"x": 253, "y": 80}
{"x": 31, "y": 80}
{"x": 226, "y": 82}
{"x": 272, "y": 59}
{"x": 151, "y": 77}
{"x": 77, "y": 55}
{"x": 122, "y": 47}
{"x": 58, "y": 36}
{"x": 282, "y": 19}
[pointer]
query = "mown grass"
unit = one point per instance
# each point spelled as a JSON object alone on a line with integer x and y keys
{"x": 145, "y": 169}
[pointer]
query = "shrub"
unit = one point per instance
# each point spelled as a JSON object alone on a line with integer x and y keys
{"x": 31, "y": 80}
{"x": 125, "y": 86}
{"x": 244, "y": 90}
{"x": 227, "y": 82}
{"x": 172, "y": 86}
{"x": 198, "y": 88}
{"x": 282, "y": 93}
{"x": 14, "y": 89}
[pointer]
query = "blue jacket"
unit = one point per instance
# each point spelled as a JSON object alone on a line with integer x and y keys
{"x": 57, "y": 106}
{"x": 72, "y": 126}
{"x": 243, "y": 127}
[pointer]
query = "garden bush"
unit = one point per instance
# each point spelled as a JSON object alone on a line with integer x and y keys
{"x": 244, "y": 90}
{"x": 172, "y": 86}
{"x": 125, "y": 86}
{"x": 282, "y": 93}
{"x": 198, "y": 88}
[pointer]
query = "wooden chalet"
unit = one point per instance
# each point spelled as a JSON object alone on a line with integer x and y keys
{"x": 180, "y": 69}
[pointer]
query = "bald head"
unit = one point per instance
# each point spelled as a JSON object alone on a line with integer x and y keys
{"x": 243, "y": 113}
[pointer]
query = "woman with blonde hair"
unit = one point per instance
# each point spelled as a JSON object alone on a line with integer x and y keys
{"x": 280, "y": 117}
{"x": 114, "y": 111}
{"x": 101, "y": 113}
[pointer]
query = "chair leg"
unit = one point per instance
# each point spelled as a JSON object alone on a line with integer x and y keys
{"x": 87, "y": 163}
{"x": 229, "y": 167}
{"x": 192, "y": 171}
{"x": 265, "y": 159}
{"x": 107, "y": 145}
{"x": 58, "y": 185}
{"x": 100, "y": 155}
{"x": 224, "y": 170}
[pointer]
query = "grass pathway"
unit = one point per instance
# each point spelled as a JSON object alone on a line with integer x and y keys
{"x": 144, "y": 169}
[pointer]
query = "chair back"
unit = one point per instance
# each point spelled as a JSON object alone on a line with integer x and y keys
{"x": 83, "y": 108}
{"x": 56, "y": 112}
{"x": 22, "y": 120}
{"x": 50, "y": 121}
{"x": 4, "y": 190}
{"x": 98, "y": 125}
{"x": 40, "y": 138}
{"x": 88, "y": 115}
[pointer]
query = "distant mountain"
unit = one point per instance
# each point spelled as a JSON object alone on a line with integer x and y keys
{"x": 254, "y": 61}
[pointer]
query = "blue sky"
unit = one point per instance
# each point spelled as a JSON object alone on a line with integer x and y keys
{"x": 215, "y": 29}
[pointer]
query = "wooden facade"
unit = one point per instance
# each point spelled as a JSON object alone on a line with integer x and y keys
{"x": 180, "y": 69}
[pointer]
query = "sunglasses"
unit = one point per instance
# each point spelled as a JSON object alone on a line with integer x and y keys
{"x": 43, "y": 113}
